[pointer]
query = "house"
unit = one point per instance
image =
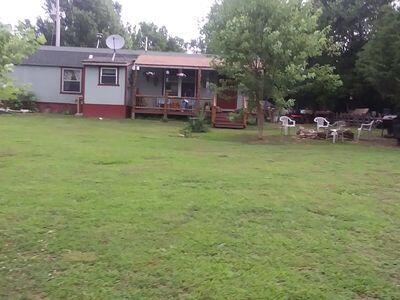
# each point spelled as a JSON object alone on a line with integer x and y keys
{"x": 91, "y": 82}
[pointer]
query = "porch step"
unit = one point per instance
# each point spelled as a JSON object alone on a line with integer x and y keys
{"x": 222, "y": 121}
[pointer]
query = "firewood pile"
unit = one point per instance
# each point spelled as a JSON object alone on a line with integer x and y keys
{"x": 304, "y": 133}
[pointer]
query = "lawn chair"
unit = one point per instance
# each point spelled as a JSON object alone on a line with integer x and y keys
{"x": 365, "y": 127}
{"x": 287, "y": 123}
{"x": 321, "y": 123}
{"x": 336, "y": 131}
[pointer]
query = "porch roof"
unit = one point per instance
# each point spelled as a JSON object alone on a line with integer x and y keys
{"x": 183, "y": 61}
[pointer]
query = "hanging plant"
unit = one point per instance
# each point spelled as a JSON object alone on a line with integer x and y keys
{"x": 149, "y": 75}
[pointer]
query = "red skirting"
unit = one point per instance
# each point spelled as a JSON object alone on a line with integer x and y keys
{"x": 53, "y": 107}
{"x": 104, "y": 111}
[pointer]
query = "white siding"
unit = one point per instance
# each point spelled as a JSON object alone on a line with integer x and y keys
{"x": 103, "y": 94}
{"x": 44, "y": 82}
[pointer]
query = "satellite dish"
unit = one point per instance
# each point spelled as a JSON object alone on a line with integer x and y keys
{"x": 115, "y": 42}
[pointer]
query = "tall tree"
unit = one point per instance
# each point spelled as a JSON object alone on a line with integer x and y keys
{"x": 83, "y": 20}
{"x": 158, "y": 38}
{"x": 15, "y": 45}
{"x": 265, "y": 47}
{"x": 379, "y": 60}
{"x": 350, "y": 22}
{"x": 196, "y": 46}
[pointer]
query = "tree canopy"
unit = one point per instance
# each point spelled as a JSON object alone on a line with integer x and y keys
{"x": 351, "y": 23}
{"x": 15, "y": 45}
{"x": 265, "y": 46}
{"x": 379, "y": 60}
{"x": 83, "y": 20}
{"x": 158, "y": 38}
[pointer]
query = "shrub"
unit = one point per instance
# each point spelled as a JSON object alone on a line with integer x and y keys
{"x": 24, "y": 100}
{"x": 198, "y": 123}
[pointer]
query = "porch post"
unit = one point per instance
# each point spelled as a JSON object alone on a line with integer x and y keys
{"x": 134, "y": 84}
{"x": 198, "y": 90}
{"x": 214, "y": 110}
{"x": 165, "y": 108}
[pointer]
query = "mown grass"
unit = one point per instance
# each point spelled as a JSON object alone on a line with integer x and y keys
{"x": 128, "y": 209}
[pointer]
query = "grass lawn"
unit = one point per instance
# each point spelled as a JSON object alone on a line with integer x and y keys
{"x": 128, "y": 209}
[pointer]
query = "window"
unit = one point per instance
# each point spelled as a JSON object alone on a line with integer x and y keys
{"x": 108, "y": 76}
{"x": 71, "y": 80}
{"x": 171, "y": 83}
{"x": 180, "y": 86}
{"x": 189, "y": 84}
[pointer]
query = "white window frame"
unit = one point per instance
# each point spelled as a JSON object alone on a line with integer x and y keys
{"x": 62, "y": 80}
{"x": 101, "y": 76}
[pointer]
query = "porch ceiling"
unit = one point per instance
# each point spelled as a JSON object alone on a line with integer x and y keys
{"x": 171, "y": 61}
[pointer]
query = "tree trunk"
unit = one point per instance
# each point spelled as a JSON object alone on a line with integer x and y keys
{"x": 260, "y": 120}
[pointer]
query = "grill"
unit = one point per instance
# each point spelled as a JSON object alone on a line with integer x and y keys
{"x": 396, "y": 129}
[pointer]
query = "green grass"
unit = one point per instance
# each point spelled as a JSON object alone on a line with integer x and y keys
{"x": 128, "y": 209}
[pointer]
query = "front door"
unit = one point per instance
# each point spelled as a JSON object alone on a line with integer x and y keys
{"x": 227, "y": 99}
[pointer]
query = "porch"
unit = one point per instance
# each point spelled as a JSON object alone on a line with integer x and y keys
{"x": 180, "y": 86}
{"x": 171, "y": 105}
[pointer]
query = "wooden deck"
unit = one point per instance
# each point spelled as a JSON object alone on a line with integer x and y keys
{"x": 162, "y": 111}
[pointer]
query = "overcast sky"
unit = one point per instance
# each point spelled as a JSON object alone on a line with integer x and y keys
{"x": 181, "y": 17}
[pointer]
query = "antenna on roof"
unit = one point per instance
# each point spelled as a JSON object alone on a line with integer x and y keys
{"x": 115, "y": 42}
{"x": 99, "y": 36}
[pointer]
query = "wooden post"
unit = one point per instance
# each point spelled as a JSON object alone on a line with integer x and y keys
{"x": 198, "y": 92}
{"x": 166, "y": 99}
{"x": 245, "y": 111}
{"x": 214, "y": 110}
{"x": 134, "y": 84}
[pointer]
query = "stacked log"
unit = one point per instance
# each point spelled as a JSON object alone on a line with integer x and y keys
{"x": 304, "y": 133}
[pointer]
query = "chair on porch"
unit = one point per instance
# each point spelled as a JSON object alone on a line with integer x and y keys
{"x": 365, "y": 127}
{"x": 321, "y": 123}
{"x": 286, "y": 124}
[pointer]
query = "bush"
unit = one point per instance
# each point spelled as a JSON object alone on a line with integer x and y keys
{"x": 23, "y": 100}
{"x": 198, "y": 123}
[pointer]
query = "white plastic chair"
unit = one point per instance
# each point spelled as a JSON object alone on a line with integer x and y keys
{"x": 336, "y": 131}
{"x": 321, "y": 123}
{"x": 287, "y": 123}
{"x": 365, "y": 127}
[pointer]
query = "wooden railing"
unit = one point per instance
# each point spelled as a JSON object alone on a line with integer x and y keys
{"x": 171, "y": 105}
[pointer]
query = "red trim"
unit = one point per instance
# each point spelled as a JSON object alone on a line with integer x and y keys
{"x": 104, "y": 111}
{"x": 52, "y": 107}
{"x": 83, "y": 82}
{"x": 61, "y": 81}
{"x": 108, "y": 84}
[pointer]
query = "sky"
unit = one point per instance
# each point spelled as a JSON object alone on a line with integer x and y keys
{"x": 181, "y": 17}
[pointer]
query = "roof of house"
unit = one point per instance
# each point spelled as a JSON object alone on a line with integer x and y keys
{"x": 78, "y": 56}
{"x": 182, "y": 61}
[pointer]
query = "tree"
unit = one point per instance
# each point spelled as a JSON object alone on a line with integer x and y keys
{"x": 15, "y": 45}
{"x": 196, "y": 46}
{"x": 321, "y": 87}
{"x": 83, "y": 20}
{"x": 265, "y": 47}
{"x": 158, "y": 38}
{"x": 379, "y": 60}
{"x": 350, "y": 22}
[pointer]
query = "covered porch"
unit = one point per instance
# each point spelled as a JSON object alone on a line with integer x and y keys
{"x": 165, "y": 84}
